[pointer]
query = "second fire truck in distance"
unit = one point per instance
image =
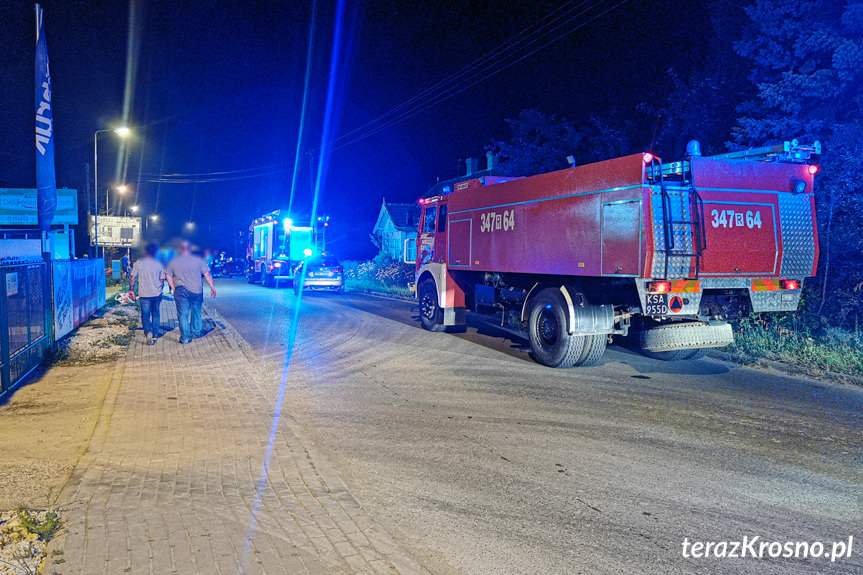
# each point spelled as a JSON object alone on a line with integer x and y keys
{"x": 276, "y": 248}
{"x": 665, "y": 253}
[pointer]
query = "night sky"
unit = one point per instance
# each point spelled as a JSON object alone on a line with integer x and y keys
{"x": 218, "y": 86}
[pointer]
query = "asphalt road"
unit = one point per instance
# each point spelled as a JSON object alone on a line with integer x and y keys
{"x": 481, "y": 461}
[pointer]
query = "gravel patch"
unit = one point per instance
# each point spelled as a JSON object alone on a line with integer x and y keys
{"x": 21, "y": 549}
{"x": 100, "y": 339}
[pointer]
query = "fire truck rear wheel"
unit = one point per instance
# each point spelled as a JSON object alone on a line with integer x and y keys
{"x": 431, "y": 314}
{"x": 594, "y": 347}
{"x": 550, "y": 343}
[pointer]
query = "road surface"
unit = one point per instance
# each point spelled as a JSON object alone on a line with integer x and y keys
{"x": 481, "y": 461}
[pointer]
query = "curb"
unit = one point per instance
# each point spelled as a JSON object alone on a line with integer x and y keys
{"x": 382, "y": 294}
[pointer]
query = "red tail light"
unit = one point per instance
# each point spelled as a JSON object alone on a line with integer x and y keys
{"x": 659, "y": 287}
{"x": 813, "y": 169}
{"x": 789, "y": 284}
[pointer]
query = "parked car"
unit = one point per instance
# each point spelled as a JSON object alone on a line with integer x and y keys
{"x": 233, "y": 267}
{"x": 322, "y": 273}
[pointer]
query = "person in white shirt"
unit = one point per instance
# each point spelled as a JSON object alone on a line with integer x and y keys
{"x": 150, "y": 276}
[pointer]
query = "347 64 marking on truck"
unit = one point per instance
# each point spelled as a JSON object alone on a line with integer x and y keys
{"x": 492, "y": 221}
{"x": 732, "y": 219}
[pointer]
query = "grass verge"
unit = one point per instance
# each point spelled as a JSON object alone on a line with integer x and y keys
{"x": 787, "y": 340}
{"x": 371, "y": 286}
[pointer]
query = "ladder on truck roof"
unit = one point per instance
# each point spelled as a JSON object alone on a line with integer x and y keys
{"x": 683, "y": 233}
{"x": 792, "y": 152}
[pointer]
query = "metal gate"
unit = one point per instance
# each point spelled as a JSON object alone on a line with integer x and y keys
{"x": 25, "y": 312}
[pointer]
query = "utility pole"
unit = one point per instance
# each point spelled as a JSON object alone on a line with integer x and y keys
{"x": 87, "y": 223}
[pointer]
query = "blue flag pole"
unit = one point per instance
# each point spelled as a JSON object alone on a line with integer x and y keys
{"x": 46, "y": 180}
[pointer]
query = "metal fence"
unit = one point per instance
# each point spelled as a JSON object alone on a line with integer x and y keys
{"x": 25, "y": 314}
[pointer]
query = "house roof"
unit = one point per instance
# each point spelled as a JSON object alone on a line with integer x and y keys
{"x": 405, "y": 217}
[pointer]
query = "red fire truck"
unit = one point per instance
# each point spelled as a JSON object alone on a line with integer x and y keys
{"x": 665, "y": 253}
{"x": 276, "y": 248}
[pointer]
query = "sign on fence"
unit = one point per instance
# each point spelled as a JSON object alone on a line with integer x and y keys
{"x": 11, "y": 284}
{"x": 79, "y": 290}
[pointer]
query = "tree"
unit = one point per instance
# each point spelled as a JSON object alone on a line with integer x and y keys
{"x": 702, "y": 103}
{"x": 807, "y": 67}
{"x": 540, "y": 142}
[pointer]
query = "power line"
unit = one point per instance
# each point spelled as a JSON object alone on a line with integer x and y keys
{"x": 505, "y": 46}
{"x": 422, "y": 107}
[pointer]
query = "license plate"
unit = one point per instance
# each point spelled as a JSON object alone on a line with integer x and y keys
{"x": 656, "y": 304}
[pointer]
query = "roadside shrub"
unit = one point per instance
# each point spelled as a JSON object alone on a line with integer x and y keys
{"x": 382, "y": 273}
{"x": 789, "y": 338}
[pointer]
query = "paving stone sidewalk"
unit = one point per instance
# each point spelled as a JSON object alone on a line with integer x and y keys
{"x": 170, "y": 478}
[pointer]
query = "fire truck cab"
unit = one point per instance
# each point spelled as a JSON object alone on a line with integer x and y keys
{"x": 665, "y": 253}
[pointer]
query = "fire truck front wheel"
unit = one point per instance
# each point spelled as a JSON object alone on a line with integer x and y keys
{"x": 550, "y": 343}
{"x": 266, "y": 279}
{"x": 431, "y": 314}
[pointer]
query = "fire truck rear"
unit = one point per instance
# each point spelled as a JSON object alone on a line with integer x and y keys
{"x": 662, "y": 253}
{"x": 276, "y": 248}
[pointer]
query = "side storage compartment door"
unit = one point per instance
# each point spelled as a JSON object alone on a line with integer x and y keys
{"x": 621, "y": 238}
{"x": 460, "y": 243}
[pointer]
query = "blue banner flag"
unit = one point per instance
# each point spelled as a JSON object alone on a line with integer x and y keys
{"x": 46, "y": 180}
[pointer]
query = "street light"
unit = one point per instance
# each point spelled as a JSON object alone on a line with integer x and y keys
{"x": 123, "y": 132}
{"x": 153, "y": 218}
{"x": 134, "y": 209}
{"x": 121, "y": 189}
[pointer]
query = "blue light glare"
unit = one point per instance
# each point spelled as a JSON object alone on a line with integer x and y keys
{"x": 329, "y": 112}
{"x": 548, "y": 306}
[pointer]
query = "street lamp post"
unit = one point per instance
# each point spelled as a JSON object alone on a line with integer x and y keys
{"x": 123, "y": 132}
{"x": 122, "y": 189}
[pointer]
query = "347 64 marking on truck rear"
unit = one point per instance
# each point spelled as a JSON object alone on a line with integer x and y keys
{"x": 732, "y": 219}
{"x": 492, "y": 221}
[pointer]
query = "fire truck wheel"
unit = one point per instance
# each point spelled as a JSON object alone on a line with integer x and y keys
{"x": 431, "y": 314}
{"x": 267, "y": 280}
{"x": 550, "y": 344}
{"x": 594, "y": 347}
